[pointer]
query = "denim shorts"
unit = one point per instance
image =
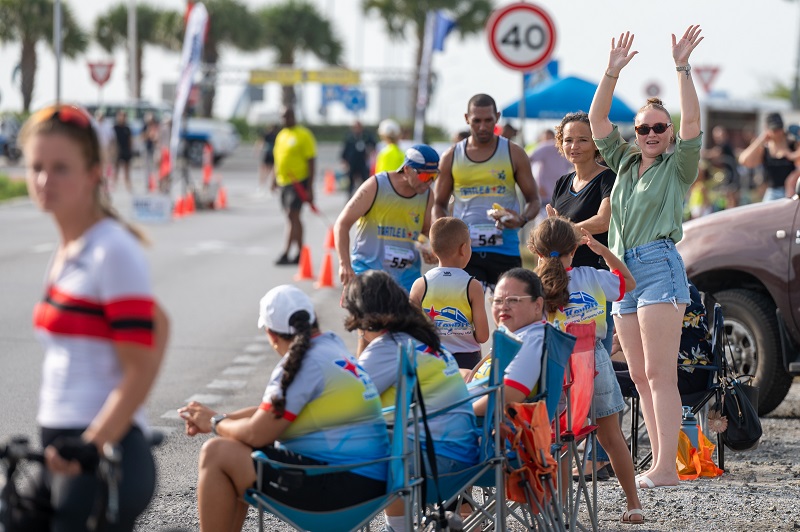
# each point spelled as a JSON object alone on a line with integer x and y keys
{"x": 660, "y": 277}
{"x": 607, "y": 395}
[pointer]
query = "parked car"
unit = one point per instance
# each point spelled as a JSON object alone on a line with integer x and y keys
{"x": 748, "y": 258}
{"x": 220, "y": 134}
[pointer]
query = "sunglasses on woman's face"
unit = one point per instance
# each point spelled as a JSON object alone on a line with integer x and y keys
{"x": 659, "y": 128}
{"x": 66, "y": 114}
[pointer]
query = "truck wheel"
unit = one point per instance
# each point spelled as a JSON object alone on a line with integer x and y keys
{"x": 752, "y": 330}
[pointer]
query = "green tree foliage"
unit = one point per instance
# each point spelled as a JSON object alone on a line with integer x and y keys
{"x": 404, "y": 17}
{"x": 111, "y": 31}
{"x": 297, "y": 26}
{"x": 30, "y": 21}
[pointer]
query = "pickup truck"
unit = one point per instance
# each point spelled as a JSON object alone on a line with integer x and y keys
{"x": 748, "y": 259}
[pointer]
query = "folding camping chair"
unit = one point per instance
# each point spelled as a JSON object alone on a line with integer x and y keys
{"x": 489, "y": 471}
{"x": 400, "y": 484}
{"x": 717, "y": 372}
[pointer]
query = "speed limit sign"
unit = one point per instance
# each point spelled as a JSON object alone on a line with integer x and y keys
{"x": 522, "y": 36}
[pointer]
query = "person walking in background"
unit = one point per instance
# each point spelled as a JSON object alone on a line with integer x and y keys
{"x": 482, "y": 172}
{"x": 265, "y": 148}
{"x": 776, "y": 155}
{"x": 451, "y": 297}
{"x": 356, "y": 154}
{"x": 646, "y": 217}
{"x": 722, "y": 155}
{"x": 390, "y": 157}
{"x": 103, "y": 333}
{"x": 122, "y": 133}
{"x": 151, "y": 134}
{"x": 108, "y": 141}
{"x": 392, "y": 209}
{"x": 548, "y": 163}
{"x": 295, "y": 155}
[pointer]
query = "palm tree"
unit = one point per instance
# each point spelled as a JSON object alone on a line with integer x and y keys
{"x": 111, "y": 31}
{"x": 296, "y": 26}
{"x": 28, "y": 22}
{"x": 470, "y": 17}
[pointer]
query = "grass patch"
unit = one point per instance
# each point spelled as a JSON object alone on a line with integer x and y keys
{"x": 12, "y": 188}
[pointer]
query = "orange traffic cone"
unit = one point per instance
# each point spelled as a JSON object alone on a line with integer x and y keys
{"x": 208, "y": 163}
{"x": 305, "y": 271}
{"x": 178, "y": 209}
{"x": 222, "y": 198}
{"x": 330, "y": 182}
{"x": 164, "y": 166}
{"x": 189, "y": 204}
{"x": 151, "y": 182}
{"x": 326, "y": 273}
{"x": 330, "y": 242}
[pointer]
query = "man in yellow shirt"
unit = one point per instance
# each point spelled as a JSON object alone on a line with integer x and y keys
{"x": 391, "y": 157}
{"x": 295, "y": 162}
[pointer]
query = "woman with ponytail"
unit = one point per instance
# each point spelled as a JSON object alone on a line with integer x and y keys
{"x": 379, "y": 309}
{"x": 320, "y": 407}
{"x": 579, "y": 295}
{"x": 104, "y": 335}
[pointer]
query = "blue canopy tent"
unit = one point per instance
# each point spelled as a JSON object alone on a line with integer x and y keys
{"x": 555, "y": 98}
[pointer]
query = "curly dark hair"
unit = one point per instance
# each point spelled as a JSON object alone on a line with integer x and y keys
{"x": 554, "y": 237}
{"x": 301, "y": 341}
{"x": 580, "y": 116}
{"x": 376, "y": 302}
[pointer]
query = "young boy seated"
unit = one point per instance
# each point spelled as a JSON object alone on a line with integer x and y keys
{"x": 451, "y": 297}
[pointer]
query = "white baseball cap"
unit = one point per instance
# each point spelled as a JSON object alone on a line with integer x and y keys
{"x": 389, "y": 128}
{"x": 278, "y": 306}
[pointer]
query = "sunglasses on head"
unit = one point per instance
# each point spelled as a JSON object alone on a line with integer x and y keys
{"x": 659, "y": 128}
{"x": 66, "y": 114}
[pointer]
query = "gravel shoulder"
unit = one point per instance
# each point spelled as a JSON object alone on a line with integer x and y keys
{"x": 759, "y": 491}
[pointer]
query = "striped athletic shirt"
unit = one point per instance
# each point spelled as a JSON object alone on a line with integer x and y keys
{"x": 101, "y": 296}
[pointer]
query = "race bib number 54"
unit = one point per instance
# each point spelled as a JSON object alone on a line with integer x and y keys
{"x": 485, "y": 235}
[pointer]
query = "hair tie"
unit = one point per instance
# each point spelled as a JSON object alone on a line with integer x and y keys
{"x": 554, "y": 253}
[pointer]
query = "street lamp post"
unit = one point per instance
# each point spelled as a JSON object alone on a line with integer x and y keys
{"x": 57, "y": 46}
{"x": 133, "y": 66}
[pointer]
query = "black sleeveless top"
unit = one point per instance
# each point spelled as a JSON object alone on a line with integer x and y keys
{"x": 777, "y": 170}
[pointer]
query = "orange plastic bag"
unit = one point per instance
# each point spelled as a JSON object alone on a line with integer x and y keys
{"x": 694, "y": 463}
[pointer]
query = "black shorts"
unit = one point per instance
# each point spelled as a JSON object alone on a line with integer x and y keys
{"x": 487, "y": 267}
{"x": 291, "y": 198}
{"x": 319, "y": 493}
{"x": 73, "y": 498}
{"x": 468, "y": 360}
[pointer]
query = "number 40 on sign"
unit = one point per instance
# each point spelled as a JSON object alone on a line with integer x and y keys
{"x": 522, "y": 36}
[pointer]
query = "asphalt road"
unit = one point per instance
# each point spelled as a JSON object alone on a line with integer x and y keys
{"x": 209, "y": 270}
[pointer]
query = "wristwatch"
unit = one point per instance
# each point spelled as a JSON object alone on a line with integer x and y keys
{"x": 216, "y": 419}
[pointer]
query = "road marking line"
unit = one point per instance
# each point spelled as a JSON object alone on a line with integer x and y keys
{"x": 250, "y": 359}
{"x": 206, "y": 398}
{"x": 238, "y": 370}
{"x": 163, "y": 429}
{"x": 255, "y": 348}
{"x": 171, "y": 414}
{"x": 221, "y": 384}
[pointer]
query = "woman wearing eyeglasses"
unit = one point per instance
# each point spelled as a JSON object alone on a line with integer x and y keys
{"x": 646, "y": 215}
{"x": 103, "y": 333}
{"x": 392, "y": 209}
{"x": 518, "y": 304}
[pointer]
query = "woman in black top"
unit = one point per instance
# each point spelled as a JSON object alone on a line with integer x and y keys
{"x": 773, "y": 151}
{"x": 583, "y": 196}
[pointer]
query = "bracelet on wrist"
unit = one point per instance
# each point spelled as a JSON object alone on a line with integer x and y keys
{"x": 684, "y": 68}
{"x": 611, "y": 75}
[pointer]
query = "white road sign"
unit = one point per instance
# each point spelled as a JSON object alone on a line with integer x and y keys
{"x": 522, "y": 36}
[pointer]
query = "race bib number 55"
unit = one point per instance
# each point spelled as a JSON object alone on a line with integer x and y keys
{"x": 397, "y": 258}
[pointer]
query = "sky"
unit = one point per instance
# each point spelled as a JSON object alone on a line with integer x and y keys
{"x": 754, "y": 45}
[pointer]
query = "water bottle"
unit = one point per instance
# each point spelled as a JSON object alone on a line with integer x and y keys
{"x": 689, "y": 426}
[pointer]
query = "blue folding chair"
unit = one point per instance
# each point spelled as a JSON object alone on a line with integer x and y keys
{"x": 400, "y": 484}
{"x": 489, "y": 471}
